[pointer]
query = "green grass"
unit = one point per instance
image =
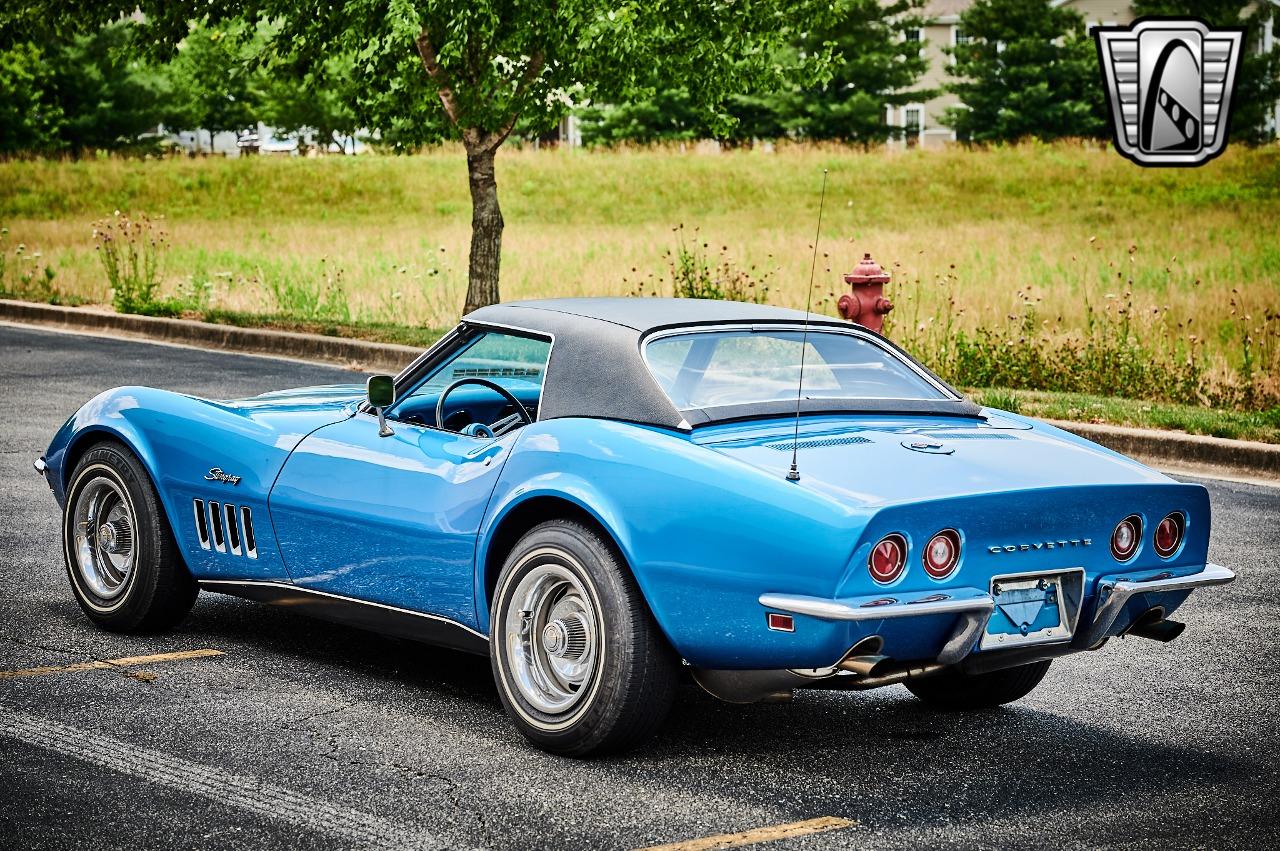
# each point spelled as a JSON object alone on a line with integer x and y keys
{"x": 376, "y": 332}
{"x": 1084, "y": 407}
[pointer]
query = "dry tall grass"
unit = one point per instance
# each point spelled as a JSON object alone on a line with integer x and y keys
{"x": 974, "y": 239}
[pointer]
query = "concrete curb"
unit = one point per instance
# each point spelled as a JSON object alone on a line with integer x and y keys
{"x": 1214, "y": 457}
{"x": 367, "y": 356}
{"x": 1197, "y": 454}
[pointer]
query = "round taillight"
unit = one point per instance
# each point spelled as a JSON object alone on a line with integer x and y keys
{"x": 888, "y": 558}
{"x": 942, "y": 553}
{"x": 1169, "y": 534}
{"x": 1124, "y": 540}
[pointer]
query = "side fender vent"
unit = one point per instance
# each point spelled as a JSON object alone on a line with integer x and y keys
{"x": 215, "y": 526}
{"x": 225, "y": 527}
{"x": 202, "y": 524}
{"x": 246, "y": 526}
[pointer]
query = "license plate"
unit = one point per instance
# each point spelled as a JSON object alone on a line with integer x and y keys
{"x": 1035, "y": 608}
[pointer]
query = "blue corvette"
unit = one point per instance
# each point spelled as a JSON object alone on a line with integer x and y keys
{"x": 597, "y": 493}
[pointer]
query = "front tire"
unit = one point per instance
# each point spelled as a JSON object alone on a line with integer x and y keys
{"x": 124, "y": 565}
{"x": 580, "y": 664}
{"x": 958, "y": 691}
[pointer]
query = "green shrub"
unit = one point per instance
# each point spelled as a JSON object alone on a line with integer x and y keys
{"x": 130, "y": 251}
{"x": 694, "y": 275}
{"x": 26, "y": 274}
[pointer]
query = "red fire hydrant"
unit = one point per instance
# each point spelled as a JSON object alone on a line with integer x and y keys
{"x": 866, "y": 305}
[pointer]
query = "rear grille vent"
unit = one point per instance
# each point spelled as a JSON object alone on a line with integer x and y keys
{"x": 964, "y": 435}
{"x": 817, "y": 443}
{"x": 224, "y": 527}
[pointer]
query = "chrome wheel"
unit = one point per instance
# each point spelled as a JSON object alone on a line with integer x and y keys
{"x": 551, "y": 632}
{"x": 103, "y": 544}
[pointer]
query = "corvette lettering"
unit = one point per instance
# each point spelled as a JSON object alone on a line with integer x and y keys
{"x": 217, "y": 475}
{"x": 1041, "y": 545}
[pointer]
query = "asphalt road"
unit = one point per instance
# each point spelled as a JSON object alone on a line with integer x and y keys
{"x": 309, "y": 735}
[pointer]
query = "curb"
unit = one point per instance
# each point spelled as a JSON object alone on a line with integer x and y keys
{"x": 1196, "y": 454}
{"x": 374, "y": 357}
{"x": 1213, "y": 457}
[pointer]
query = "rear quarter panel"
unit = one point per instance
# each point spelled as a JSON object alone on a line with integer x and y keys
{"x": 703, "y": 534}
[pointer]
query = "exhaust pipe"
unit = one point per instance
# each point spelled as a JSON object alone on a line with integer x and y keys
{"x": 1154, "y": 625}
{"x": 1161, "y": 630}
{"x": 867, "y": 666}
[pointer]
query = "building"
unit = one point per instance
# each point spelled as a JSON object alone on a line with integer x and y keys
{"x": 921, "y": 121}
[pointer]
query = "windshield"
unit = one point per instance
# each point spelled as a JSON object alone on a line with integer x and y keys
{"x": 707, "y": 369}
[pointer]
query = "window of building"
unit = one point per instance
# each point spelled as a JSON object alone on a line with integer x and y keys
{"x": 912, "y": 117}
{"x": 914, "y": 36}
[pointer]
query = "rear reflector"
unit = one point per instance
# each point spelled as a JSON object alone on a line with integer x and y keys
{"x": 888, "y": 558}
{"x": 1169, "y": 534}
{"x": 782, "y": 623}
{"x": 942, "y": 553}
{"x": 1125, "y": 538}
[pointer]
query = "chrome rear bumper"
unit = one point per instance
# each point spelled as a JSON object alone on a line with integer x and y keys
{"x": 880, "y": 607}
{"x": 1114, "y": 592}
{"x": 975, "y": 606}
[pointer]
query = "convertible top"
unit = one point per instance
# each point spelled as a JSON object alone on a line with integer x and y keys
{"x": 596, "y": 368}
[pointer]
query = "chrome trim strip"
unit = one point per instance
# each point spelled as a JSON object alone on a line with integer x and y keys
{"x": 247, "y": 535}
{"x": 216, "y": 532}
{"x": 202, "y": 530}
{"x": 1114, "y": 592}
{"x": 365, "y": 614}
{"x": 233, "y": 528}
{"x": 883, "y": 606}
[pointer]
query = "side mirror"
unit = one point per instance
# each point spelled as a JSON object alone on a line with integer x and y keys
{"x": 380, "y": 391}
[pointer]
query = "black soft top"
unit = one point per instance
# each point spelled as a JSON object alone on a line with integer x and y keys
{"x": 596, "y": 368}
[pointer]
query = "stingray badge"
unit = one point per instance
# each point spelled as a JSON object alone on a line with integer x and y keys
{"x": 1169, "y": 84}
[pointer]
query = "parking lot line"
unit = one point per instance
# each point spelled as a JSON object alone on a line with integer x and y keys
{"x": 98, "y": 665}
{"x": 758, "y": 835}
{"x": 354, "y": 828}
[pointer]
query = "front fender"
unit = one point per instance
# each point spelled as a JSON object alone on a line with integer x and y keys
{"x": 179, "y": 440}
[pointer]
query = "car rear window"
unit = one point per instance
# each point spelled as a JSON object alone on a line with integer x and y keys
{"x": 706, "y": 369}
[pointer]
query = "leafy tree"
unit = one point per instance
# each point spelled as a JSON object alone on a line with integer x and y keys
{"x": 1258, "y": 77}
{"x": 667, "y": 116}
{"x": 1029, "y": 70}
{"x": 79, "y": 93}
{"x": 873, "y": 65}
{"x": 30, "y": 120}
{"x": 212, "y": 79}
{"x": 479, "y": 67}
{"x": 319, "y": 97}
{"x": 107, "y": 95}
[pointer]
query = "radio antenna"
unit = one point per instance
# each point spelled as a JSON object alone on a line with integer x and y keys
{"x": 793, "y": 475}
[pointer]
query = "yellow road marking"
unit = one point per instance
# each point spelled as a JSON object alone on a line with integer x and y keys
{"x": 760, "y": 834}
{"x": 97, "y": 665}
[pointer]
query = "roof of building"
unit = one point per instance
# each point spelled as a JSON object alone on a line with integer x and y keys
{"x": 945, "y": 8}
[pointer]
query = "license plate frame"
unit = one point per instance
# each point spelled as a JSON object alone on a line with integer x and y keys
{"x": 1023, "y": 619}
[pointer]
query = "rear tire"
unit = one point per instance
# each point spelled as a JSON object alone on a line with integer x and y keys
{"x": 124, "y": 565}
{"x": 580, "y": 664}
{"x": 959, "y": 691}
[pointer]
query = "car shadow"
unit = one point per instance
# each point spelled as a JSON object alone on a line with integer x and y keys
{"x": 881, "y": 757}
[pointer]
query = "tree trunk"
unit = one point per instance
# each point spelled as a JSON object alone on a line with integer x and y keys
{"x": 486, "y": 231}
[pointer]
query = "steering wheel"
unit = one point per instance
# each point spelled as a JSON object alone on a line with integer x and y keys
{"x": 502, "y": 426}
